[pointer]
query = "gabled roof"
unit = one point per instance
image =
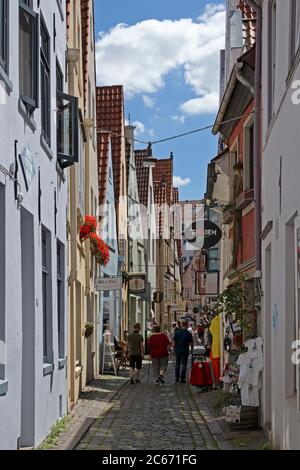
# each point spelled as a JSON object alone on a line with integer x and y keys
{"x": 86, "y": 30}
{"x": 143, "y": 175}
{"x": 163, "y": 174}
{"x": 103, "y": 161}
{"x": 110, "y": 117}
{"x": 249, "y": 24}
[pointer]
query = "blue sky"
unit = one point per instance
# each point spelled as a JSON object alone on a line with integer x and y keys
{"x": 170, "y": 73}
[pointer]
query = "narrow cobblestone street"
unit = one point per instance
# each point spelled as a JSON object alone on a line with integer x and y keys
{"x": 147, "y": 416}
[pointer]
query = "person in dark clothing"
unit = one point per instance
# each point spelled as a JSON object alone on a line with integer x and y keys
{"x": 135, "y": 348}
{"x": 182, "y": 342}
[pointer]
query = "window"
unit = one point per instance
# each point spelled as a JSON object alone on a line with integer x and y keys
{"x": 45, "y": 83}
{"x": 272, "y": 56}
{"x": 61, "y": 299}
{"x": 47, "y": 302}
{"x": 2, "y": 283}
{"x": 213, "y": 259}
{"x": 28, "y": 55}
{"x": 67, "y": 129}
{"x": 294, "y": 29}
{"x": 249, "y": 156}
{"x": 140, "y": 260}
{"x": 4, "y": 35}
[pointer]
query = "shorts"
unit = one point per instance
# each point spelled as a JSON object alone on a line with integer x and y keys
{"x": 135, "y": 362}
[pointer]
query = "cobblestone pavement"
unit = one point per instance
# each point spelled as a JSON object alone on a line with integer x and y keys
{"x": 147, "y": 416}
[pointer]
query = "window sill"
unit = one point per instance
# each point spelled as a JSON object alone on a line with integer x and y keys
{"x": 27, "y": 117}
{"x": 3, "y": 387}
{"x": 61, "y": 11}
{"x": 61, "y": 363}
{"x": 6, "y": 80}
{"x": 46, "y": 148}
{"x": 48, "y": 369}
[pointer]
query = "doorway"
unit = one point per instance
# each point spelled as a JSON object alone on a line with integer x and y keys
{"x": 28, "y": 330}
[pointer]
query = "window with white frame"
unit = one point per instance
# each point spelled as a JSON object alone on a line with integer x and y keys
{"x": 47, "y": 296}
{"x": 28, "y": 54}
{"x": 60, "y": 266}
{"x": 294, "y": 29}
{"x": 4, "y": 32}
{"x": 272, "y": 46}
{"x": 45, "y": 83}
{"x": 249, "y": 155}
{"x": 2, "y": 282}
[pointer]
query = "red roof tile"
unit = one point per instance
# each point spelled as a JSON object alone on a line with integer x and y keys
{"x": 110, "y": 117}
{"x": 142, "y": 174}
{"x": 249, "y": 24}
{"x": 163, "y": 173}
{"x": 103, "y": 160}
{"x": 86, "y": 31}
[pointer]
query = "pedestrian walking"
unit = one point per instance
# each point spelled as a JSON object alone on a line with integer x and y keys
{"x": 182, "y": 342}
{"x": 135, "y": 349}
{"x": 159, "y": 345}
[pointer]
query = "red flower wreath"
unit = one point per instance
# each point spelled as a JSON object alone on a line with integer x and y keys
{"x": 99, "y": 249}
{"x": 89, "y": 227}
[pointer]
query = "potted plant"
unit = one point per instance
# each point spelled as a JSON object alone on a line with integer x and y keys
{"x": 99, "y": 249}
{"x": 89, "y": 329}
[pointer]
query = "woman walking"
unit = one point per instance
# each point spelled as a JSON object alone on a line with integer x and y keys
{"x": 159, "y": 345}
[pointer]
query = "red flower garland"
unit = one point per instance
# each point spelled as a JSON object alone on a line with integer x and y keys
{"x": 89, "y": 227}
{"x": 99, "y": 249}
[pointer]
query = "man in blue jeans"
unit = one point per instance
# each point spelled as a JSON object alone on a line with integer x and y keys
{"x": 182, "y": 341}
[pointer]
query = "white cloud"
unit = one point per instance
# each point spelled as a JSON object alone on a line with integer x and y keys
{"x": 180, "y": 119}
{"x": 140, "y": 56}
{"x": 178, "y": 181}
{"x": 205, "y": 104}
{"x": 139, "y": 127}
{"x": 148, "y": 101}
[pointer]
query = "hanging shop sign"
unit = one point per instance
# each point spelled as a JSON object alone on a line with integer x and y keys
{"x": 108, "y": 283}
{"x": 27, "y": 164}
{"x": 158, "y": 297}
{"x": 203, "y": 234}
{"x": 137, "y": 283}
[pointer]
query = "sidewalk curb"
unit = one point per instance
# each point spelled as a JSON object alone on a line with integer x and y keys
{"x": 211, "y": 422}
{"x": 72, "y": 441}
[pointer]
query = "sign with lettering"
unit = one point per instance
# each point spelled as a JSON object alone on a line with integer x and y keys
{"x": 108, "y": 283}
{"x": 137, "y": 283}
{"x": 203, "y": 234}
{"x": 27, "y": 164}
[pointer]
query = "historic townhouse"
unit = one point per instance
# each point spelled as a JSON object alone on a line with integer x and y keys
{"x": 35, "y": 149}
{"x": 83, "y": 362}
{"x": 144, "y": 169}
{"x": 110, "y": 300}
{"x": 280, "y": 219}
{"x": 167, "y": 263}
{"x": 110, "y": 118}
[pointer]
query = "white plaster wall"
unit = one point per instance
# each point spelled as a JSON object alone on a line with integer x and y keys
{"x": 13, "y": 127}
{"x": 281, "y": 139}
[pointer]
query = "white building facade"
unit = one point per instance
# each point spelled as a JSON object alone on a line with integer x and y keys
{"x": 33, "y": 207}
{"x": 281, "y": 224}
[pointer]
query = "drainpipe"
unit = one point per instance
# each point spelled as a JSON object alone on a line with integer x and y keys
{"x": 257, "y": 127}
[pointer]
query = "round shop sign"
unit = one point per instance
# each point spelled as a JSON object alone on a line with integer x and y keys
{"x": 204, "y": 234}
